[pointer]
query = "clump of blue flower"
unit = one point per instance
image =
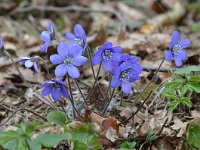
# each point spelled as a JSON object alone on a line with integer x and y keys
{"x": 125, "y": 72}
{"x": 107, "y": 54}
{"x": 47, "y": 37}
{"x": 55, "y": 88}
{"x": 79, "y": 37}
{"x": 177, "y": 49}
{"x": 68, "y": 58}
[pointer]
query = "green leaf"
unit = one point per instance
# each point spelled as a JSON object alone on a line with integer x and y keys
{"x": 194, "y": 79}
{"x": 193, "y": 135}
{"x": 173, "y": 105}
{"x": 57, "y": 117}
{"x": 175, "y": 84}
{"x": 151, "y": 136}
{"x": 194, "y": 86}
{"x": 186, "y": 100}
{"x": 50, "y": 140}
{"x": 128, "y": 145}
{"x": 169, "y": 94}
{"x": 187, "y": 70}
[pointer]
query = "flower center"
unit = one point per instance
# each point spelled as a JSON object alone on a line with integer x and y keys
{"x": 106, "y": 55}
{"x": 68, "y": 60}
{"x": 176, "y": 48}
{"x": 79, "y": 41}
{"x": 55, "y": 87}
{"x": 124, "y": 77}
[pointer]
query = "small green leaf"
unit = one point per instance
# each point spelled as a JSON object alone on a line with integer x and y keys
{"x": 128, "y": 145}
{"x": 194, "y": 79}
{"x": 173, "y": 105}
{"x": 186, "y": 101}
{"x": 194, "y": 86}
{"x": 57, "y": 117}
{"x": 187, "y": 70}
{"x": 151, "y": 136}
{"x": 193, "y": 134}
{"x": 50, "y": 140}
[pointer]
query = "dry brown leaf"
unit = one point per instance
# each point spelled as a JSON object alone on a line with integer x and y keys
{"x": 179, "y": 126}
{"x": 111, "y": 134}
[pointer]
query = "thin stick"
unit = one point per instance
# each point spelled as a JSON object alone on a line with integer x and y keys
{"x": 126, "y": 120}
{"x": 105, "y": 108}
{"x": 23, "y": 109}
{"x": 61, "y": 105}
{"x": 72, "y": 99}
{"x": 81, "y": 93}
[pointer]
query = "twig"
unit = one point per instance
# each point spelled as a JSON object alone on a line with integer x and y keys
{"x": 23, "y": 109}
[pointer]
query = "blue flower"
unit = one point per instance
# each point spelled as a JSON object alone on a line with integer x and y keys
{"x": 54, "y": 87}
{"x": 1, "y": 42}
{"x": 79, "y": 36}
{"x": 125, "y": 74}
{"x": 30, "y": 62}
{"x": 68, "y": 57}
{"x": 47, "y": 37}
{"x": 107, "y": 54}
{"x": 176, "y": 49}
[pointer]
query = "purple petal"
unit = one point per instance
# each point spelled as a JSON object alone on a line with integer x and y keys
{"x": 116, "y": 49}
{"x": 80, "y": 60}
{"x": 45, "y": 36}
{"x": 74, "y": 50}
{"x": 28, "y": 64}
{"x": 184, "y": 43}
{"x": 64, "y": 91}
{"x": 177, "y": 60}
{"x": 168, "y": 56}
{"x": 44, "y": 47}
{"x": 126, "y": 88}
{"x": 79, "y": 31}
{"x": 56, "y": 95}
{"x": 60, "y": 70}
{"x": 107, "y": 65}
{"x": 70, "y": 36}
{"x": 97, "y": 58}
{"x": 125, "y": 56}
{"x": 124, "y": 66}
{"x": 1, "y": 42}
{"x": 115, "y": 82}
{"x": 183, "y": 55}
{"x": 73, "y": 72}
{"x": 134, "y": 59}
{"x": 63, "y": 49}
{"x": 175, "y": 38}
{"x": 107, "y": 45}
{"x": 56, "y": 59}
{"x": 24, "y": 59}
{"x": 35, "y": 67}
{"x": 116, "y": 56}
{"x": 46, "y": 91}
{"x": 51, "y": 28}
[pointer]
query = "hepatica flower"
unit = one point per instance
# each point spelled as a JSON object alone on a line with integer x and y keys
{"x": 79, "y": 36}
{"x": 68, "y": 58}
{"x": 107, "y": 54}
{"x": 55, "y": 88}
{"x": 126, "y": 73}
{"x": 30, "y": 62}
{"x": 47, "y": 37}
{"x": 176, "y": 49}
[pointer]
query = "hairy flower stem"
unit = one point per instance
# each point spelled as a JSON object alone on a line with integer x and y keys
{"x": 22, "y": 77}
{"x": 108, "y": 89}
{"x": 108, "y": 103}
{"x": 72, "y": 99}
{"x": 79, "y": 89}
{"x": 121, "y": 99}
{"x": 83, "y": 83}
{"x": 46, "y": 67}
{"x": 95, "y": 76}
{"x": 96, "y": 79}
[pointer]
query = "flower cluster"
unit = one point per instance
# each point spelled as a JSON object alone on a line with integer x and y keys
{"x": 176, "y": 49}
{"x": 124, "y": 68}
